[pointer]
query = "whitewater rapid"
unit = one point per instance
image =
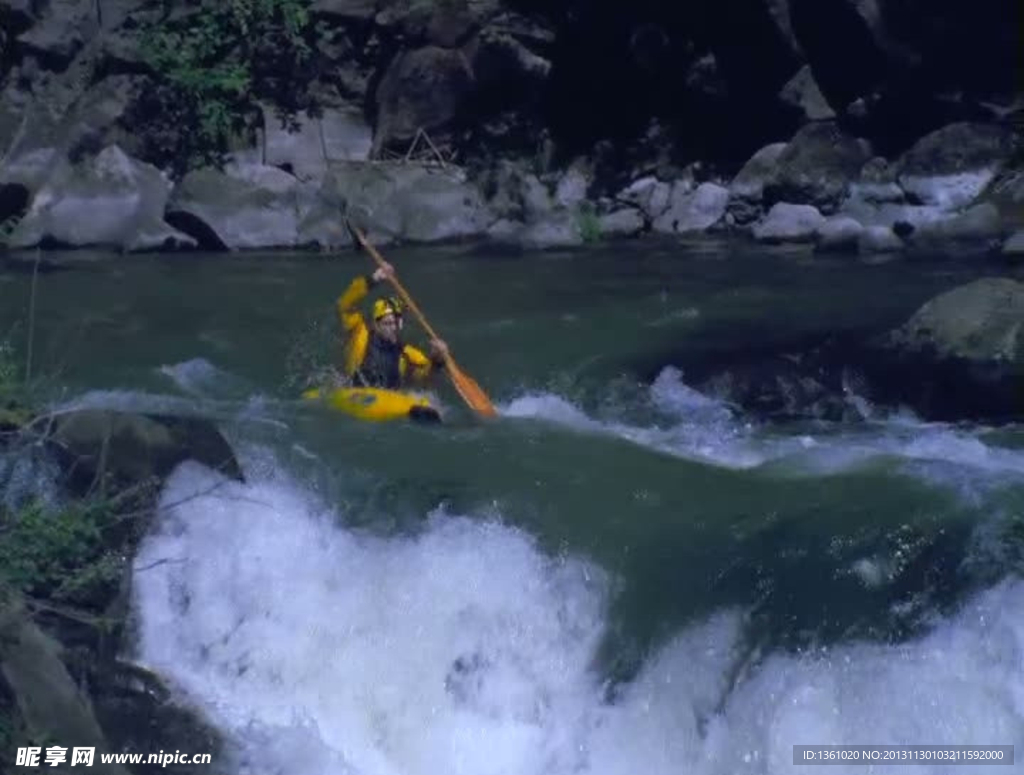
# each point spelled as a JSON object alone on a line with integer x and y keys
{"x": 464, "y": 649}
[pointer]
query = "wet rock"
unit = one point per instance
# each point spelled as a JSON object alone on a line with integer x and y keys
{"x": 976, "y": 223}
{"x": 961, "y": 355}
{"x": 692, "y": 211}
{"x": 625, "y": 222}
{"x": 559, "y": 229}
{"x": 879, "y": 239}
{"x": 572, "y": 187}
{"x": 746, "y": 191}
{"x": 256, "y": 207}
{"x": 512, "y": 191}
{"x": 838, "y": 234}
{"x": 115, "y": 450}
{"x": 408, "y": 202}
{"x": 817, "y": 167}
{"x": 950, "y": 167}
{"x": 649, "y": 194}
{"x": 109, "y": 201}
{"x": 787, "y": 222}
{"x": 1014, "y": 246}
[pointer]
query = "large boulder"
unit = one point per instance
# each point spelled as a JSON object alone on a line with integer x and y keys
{"x": 421, "y": 89}
{"x": 110, "y": 200}
{"x": 648, "y": 194}
{"x": 961, "y": 354}
{"x": 408, "y": 202}
{"x": 746, "y": 191}
{"x": 951, "y": 166}
{"x": 116, "y": 450}
{"x": 787, "y": 222}
{"x": 306, "y": 145}
{"x": 39, "y": 136}
{"x": 247, "y": 207}
{"x": 60, "y": 30}
{"x": 817, "y": 167}
{"x": 692, "y": 210}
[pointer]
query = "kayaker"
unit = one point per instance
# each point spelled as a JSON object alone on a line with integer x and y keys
{"x": 377, "y": 356}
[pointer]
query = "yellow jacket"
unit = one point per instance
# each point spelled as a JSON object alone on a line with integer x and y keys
{"x": 412, "y": 364}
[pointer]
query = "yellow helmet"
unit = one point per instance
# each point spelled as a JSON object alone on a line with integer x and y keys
{"x": 388, "y": 306}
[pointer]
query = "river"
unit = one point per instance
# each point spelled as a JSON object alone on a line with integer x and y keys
{"x": 618, "y": 575}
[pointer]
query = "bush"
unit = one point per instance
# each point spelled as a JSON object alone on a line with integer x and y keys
{"x": 213, "y": 66}
{"x": 59, "y": 553}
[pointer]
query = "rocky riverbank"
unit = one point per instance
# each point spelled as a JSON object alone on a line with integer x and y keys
{"x": 434, "y": 121}
{"x": 78, "y": 491}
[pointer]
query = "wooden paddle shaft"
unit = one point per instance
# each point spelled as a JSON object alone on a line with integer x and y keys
{"x": 398, "y": 286}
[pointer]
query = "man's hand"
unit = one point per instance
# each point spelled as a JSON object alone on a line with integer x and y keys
{"x": 438, "y": 349}
{"x": 384, "y": 272}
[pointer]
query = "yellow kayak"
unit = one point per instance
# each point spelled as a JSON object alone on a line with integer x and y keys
{"x": 376, "y": 404}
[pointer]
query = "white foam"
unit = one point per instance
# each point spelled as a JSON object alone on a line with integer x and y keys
{"x": 465, "y": 649}
{"x": 707, "y": 430}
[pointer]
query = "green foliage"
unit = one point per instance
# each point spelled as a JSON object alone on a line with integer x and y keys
{"x": 59, "y": 553}
{"x": 213, "y": 65}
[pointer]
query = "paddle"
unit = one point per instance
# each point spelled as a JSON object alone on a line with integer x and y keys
{"x": 465, "y": 385}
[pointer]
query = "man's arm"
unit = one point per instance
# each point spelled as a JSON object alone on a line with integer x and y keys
{"x": 349, "y": 316}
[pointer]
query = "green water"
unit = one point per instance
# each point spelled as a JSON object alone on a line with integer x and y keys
{"x": 819, "y": 533}
{"x": 692, "y": 514}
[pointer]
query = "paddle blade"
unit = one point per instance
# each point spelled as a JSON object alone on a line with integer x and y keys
{"x": 470, "y": 391}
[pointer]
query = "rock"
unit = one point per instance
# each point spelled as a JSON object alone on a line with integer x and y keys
{"x": 52, "y": 705}
{"x": 889, "y": 214}
{"x": 110, "y": 201}
{"x": 980, "y": 222}
{"x": 515, "y": 193}
{"x": 879, "y": 239}
{"x": 421, "y": 89}
{"x": 839, "y": 233}
{"x": 802, "y": 93}
{"x": 260, "y": 208}
{"x": 339, "y": 134}
{"x": 572, "y": 187}
{"x": 692, "y": 211}
{"x": 345, "y": 10}
{"x": 409, "y": 202}
{"x": 625, "y": 222}
{"x": 123, "y": 449}
{"x": 877, "y": 184}
{"x": 559, "y": 229}
{"x": 649, "y": 194}
{"x": 1014, "y": 246}
{"x": 787, "y": 222}
{"x": 817, "y": 167}
{"x": 962, "y": 353}
{"x": 1006, "y": 192}
{"x": 445, "y": 24}
{"x": 60, "y": 32}
{"x": 746, "y": 190}
{"x": 42, "y": 140}
{"x": 951, "y": 166}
